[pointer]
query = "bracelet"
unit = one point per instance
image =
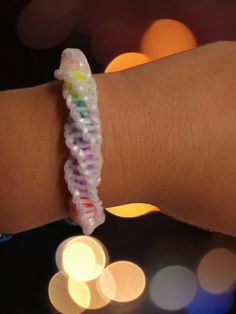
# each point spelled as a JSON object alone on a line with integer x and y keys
{"x": 83, "y": 139}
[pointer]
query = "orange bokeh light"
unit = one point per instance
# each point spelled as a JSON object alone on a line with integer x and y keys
{"x": 85, "y": 284}
{"x": 60, "y": 297}
{"x": 126, "y": 60}
{"x": 217, "y": 271}
{"x": 132, "y": 210}
{"x": 122, "y": 281}
{"x": 166, "y": 37}
{"x": 97, "y": 299}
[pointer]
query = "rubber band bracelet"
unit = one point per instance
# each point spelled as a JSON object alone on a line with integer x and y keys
{"x": 83, "y": 139}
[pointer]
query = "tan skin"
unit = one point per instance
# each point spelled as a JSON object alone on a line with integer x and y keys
{"x": 169, "y": 137}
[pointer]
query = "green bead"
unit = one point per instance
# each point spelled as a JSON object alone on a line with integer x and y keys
{"x": 80, "y": 103}
{"x": 74, "y": 93}
{"x": 84, "y": 114}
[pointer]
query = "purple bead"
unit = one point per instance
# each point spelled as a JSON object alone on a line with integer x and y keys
{"x": 76, "y": 172}
{"x": 89, "y": 157}
{"x": 89, "y": 167}
{"x": 82, "y": 182}
{"x": 86, "y": 148}
{"x": 75, "y": 162}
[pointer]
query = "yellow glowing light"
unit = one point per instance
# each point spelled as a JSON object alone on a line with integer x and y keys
{"x": 60, "y": 298}
{"x": 83, "y": 258}
{"x": 97, "y": 298}
{"x": 126, "y": 60}
{"x": 217, "y": 270}
{"x": 166, "y": 37}
{"x": 132, "y": 210}
{"x": 173, "y": 288}
{"x": 59, "y": 251}
{"x": 122, "y": 281}
{"x": 79, "y": 260}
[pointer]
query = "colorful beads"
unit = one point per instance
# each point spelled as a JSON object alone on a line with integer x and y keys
{"x": 83, "y": 139}
{"x": 81, "y": 104}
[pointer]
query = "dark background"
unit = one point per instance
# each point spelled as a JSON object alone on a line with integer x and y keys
{"x": 27, "y": 261}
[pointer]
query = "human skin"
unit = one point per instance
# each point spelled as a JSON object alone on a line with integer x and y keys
{"x": 168, "y": 139}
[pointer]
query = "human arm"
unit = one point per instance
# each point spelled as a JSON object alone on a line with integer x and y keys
{"x": 168, "y": 139}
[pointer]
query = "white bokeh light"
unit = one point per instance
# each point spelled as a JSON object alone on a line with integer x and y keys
{"x": 173, "y": 287}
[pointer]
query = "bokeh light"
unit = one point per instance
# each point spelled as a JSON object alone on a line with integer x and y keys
{"x": 102, "y": 11}
{"x": 97, "y": 298}
{"x": 173, "y": 288}
{"x": 217, "y": 270}
{"x": 166, "y": 37}
{"x": 122, "y": 281}
{"x": 207, "y": 303}
{"x": 59, "y": 252}
{"x": 126, "y": 60}
{"x": 83, "y": 258}
{"x": 132, "y": 210}
{"x": 42, "y": 25}
{"x": 60, "y": 298}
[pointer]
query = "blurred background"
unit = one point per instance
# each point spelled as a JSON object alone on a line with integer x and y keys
{"x": 186, "y": 270}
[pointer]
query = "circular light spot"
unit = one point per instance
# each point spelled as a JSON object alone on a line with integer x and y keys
{"x": 83, "y": 258}
{"x": 217, "y": 270}
{"x": 60, "y": 298}
{"x": 59, "y": 251}
{"x": 125, "y": 61}
{"x": 173, "y": 288}
{"x": 132, "y": 210}
{"x": 97, "y": 298}
{"x": 42, "y": 26}
{"x": 122, "y": 281}
{"x": 166, "y": 37}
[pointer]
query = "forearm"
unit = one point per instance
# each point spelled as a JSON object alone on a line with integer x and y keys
{"x": 166, "y": 141}
{"x": 32, "y": 189}
{"x": 176, "y": 134}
